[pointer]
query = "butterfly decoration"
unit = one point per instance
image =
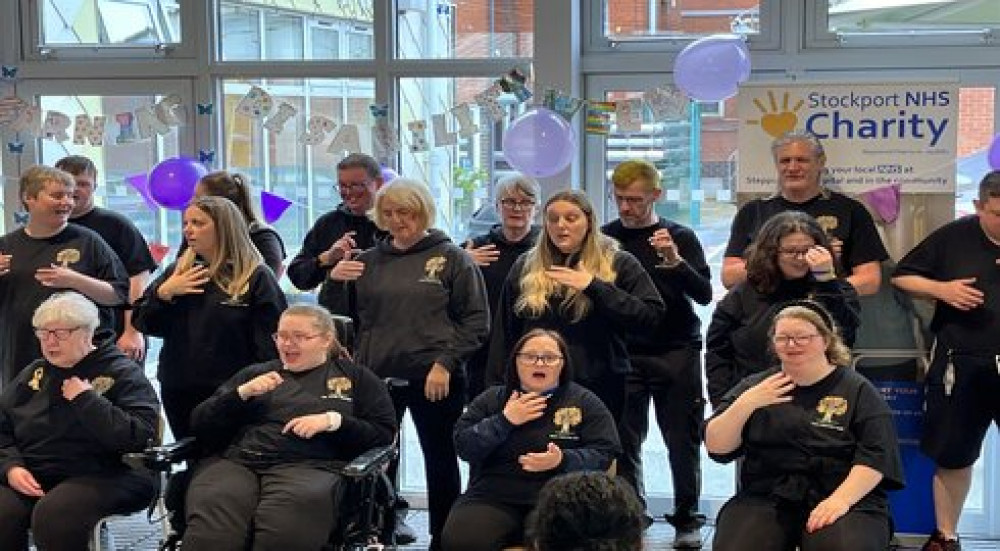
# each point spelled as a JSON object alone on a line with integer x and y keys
{"x": 15, "y": 147}
{"x": 379, "y": 110}
{"x": 21, "y": 218}
{"x": 206, "y": 108}
{"x": 206, "y": 155}
{"x": 8, "y": 72}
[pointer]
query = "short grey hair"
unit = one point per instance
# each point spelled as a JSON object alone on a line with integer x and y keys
{"x": 509, "y": 185}
{"x": 68, "y": 307}
{"x": 796, "y": 136}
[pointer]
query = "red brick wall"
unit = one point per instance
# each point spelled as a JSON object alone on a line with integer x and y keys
{"x": 975, "y": 120}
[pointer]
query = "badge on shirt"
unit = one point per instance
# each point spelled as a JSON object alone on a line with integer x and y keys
{"x": 566, "y": 419}
{"x": 828, "y": 223}
{"x": 339, "y": 387}
{"x": 67, "y": 257}
{"x": 432, "y": 269}
{"x": 102, "y": 384}
{"x": 36, "y": 379}
{"x": 830, "y": 407}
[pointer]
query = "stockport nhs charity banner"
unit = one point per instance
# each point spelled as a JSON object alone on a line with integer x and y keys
{"x": 874, "y": 134}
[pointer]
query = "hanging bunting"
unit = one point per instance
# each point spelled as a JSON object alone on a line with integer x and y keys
{"x": 599, "y": 117}
{"x": 418, "y": 136}
{"x": 628, "y": 115}
{"x": 273, "y": 206}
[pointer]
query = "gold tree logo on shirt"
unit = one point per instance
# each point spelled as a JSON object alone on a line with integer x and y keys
{"x": 339, "y": 387}
{"x": 36, "y": 379}
{"x": 828, "y": 223}
{"x": 830, "y": 406}
{"x": 67, "y": 257}
{"x": 433, "y": 268}
{"x": 102, "y": 384}
{"x": 567, "y": 418}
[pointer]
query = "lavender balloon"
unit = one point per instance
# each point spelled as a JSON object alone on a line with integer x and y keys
{"x": 711, "y": 68}
{"x": 172, "y": 181}
{"x": 539, "y": 143}
{"x": 388, "y": 174}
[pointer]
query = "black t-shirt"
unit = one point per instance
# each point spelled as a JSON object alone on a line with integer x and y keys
{"x": 842, "y": 217}
{"x": 802, "y": 450}
{"x": 677, "y": 286}
{"x": 20, "y": 293}
{"x": 959, "y": 250}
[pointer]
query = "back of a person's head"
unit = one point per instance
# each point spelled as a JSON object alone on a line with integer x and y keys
{"x": 586, "y": 511}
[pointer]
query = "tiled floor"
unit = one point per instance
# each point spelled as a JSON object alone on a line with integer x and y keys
{"x": 136, "y": 534}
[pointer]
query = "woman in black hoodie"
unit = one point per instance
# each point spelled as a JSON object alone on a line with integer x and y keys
{"x": 519, "y": 436}
{"x": 420, "y": 312}
{"x": 65, "y": 422}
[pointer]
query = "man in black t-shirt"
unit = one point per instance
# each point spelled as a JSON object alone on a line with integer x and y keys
{"x": 46, "y": 256}
{"x": 666, "y": 367}
{"x": 123, "y": 237}
{"x": 958, "y": 265}
{"x": 799, "y": 159}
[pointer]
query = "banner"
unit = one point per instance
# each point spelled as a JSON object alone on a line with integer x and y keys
{"x": 874, "y": 134}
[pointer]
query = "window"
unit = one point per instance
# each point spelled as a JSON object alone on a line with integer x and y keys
{"x": 861, "y": 23}
{"x": 465, "y": 29}
{"x": 626, "y": 19}
{"x": 110, "y": 22}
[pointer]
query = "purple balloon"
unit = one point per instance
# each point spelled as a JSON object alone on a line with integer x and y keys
{"x": 994, "y": 154}
{"x": 539, "y": 143}
{"x": 388, "y": 175}
{"x": 711, "y": 68}
{"x": 172, "y": 181}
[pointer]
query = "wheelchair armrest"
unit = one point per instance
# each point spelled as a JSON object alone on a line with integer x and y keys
{"x": 162, "y": 457}
{"x": 369, "y": 462}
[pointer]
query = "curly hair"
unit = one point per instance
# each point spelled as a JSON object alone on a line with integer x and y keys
{"x": 763, "y": 272}
{"x": 586, "y": 511}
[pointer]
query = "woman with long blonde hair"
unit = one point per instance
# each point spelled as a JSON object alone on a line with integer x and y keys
{"x": 577, "y": 281}
{"x": 215, "y": 309}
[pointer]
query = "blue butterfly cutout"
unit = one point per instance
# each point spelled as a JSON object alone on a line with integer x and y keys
{"x": 20, "y": 218}
{"x": 206, "y": 155}
{"x": 15, "y": 147}
{"x": 8, "y": 72}
{"x": 443, "y": 9}
{"x": 206, "y": 108}
{"x": 379, "y": 110}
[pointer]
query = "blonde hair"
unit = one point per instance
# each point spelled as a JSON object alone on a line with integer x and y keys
{"x": 409, "y": 194}
{"x": 321, "y": 320}
{"x": 68, "y": 307}
{"x": 837, "y": 353}
{"x": 34, "y": 178}
{"x": 597, "y": 254}
{"x": 636, "y": 170}
{"x": 237, "y": 258}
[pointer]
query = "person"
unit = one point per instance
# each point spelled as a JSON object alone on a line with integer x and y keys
{"x": 420, "y": 313}
{"x": 288, "y": 423}
{"x": 123, "y": 237}
{"x": 818, "y": 442}
{"x": 495, "y": 252}
{"x": 235, "y": 187}
{"x": 340, "y": 232}
{"x": 958, "y": 265}
{"x": 48, "y": 255}
{"x": 518, "y": 436}
{"x": 65, "y": 422}
{"x": 789, "y": 260}
{"x": 577, "y": 282}
{"x": 666, "y": 367}
{"x": 586, "y": 511}
{"x": 215, "y": 309}
{"x": 800, "y": 161}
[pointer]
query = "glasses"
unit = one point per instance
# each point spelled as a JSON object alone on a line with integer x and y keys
{"x": 631, "y": 201}
{"x": 294, "y": 338}
{"x": 798, "y": 340}
{"x": 516, "y": 204}
{"x": 347, "y": 187}
{"x": 544, "y": 359}
{"x": 59, "y": 334}
{"x": 793, "y": 253}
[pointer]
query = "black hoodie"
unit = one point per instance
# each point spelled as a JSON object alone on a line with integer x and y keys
{"x": 416, "y": 307}
{"x": 305, "y": 271}
{"x": 55, "y": 439}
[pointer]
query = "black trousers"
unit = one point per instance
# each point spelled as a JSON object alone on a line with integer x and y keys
{"x": 610, "y": 388}
{"x": 759, "y": 523}
{"x": 477, "y": 524}
{"x": 435, "y": 424}
{"x": 233, "y": 508}
{"x": 672, "y": 381}
{"x": 63, "y": 519}
{"x": 178, "y": 403}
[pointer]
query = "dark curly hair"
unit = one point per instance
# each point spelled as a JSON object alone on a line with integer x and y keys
{"x": 763, "y": 272}
{"x": 586, "y": 511}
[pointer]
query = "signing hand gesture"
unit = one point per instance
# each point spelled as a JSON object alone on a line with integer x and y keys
{"x": 541, "y": 462}
{"x": 837, "y": 246}
{"x": 347, "y": 269}
{"x": 522, "y": 408}
{"x": 772, "y": 390}
{"x": 184, "y": 282}
{"x": 57, "y": 276}
{"x": 24, "y": 482}
{"x": 261, "y": 384}
{"x": 960, "y": 294}
{"x": 132, "y": 344}
{"x": 663, "y": 242}
{"x": 74, "y": 386}
{"x": 482, "y": 256}
{"x": 4, "y": 264}
{"x": 819, "y": 259}
{"x": 307, "y": 426}
{"x": 576, "y": 277}
{"x": 436, "y": 385}
{"x": 826, "y": 513}
{"x": 340, "y": 249}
